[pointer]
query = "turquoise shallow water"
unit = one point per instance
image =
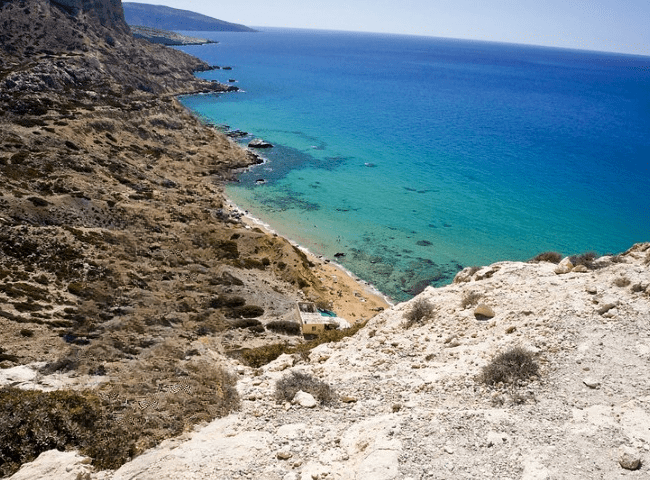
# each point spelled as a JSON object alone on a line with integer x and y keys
{"x": 417, "y": 156}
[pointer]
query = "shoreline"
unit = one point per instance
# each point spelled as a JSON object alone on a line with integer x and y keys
{"x": 333, "y": 275}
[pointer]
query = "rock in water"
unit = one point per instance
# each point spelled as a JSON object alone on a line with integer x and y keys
{"x": 259, "y": 143}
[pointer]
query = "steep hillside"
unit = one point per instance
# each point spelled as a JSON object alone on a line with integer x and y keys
{"x": 167, "y": 18}
{"x": 431, "y": 396}
{"x": 121, "y": 264}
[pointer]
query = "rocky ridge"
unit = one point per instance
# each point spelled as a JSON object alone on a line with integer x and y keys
{"x": 410, "y": 401}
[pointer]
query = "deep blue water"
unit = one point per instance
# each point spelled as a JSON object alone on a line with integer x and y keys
{"x": 415, "y": 156}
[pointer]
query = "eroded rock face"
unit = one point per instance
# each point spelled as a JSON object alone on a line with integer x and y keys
{"x": 411, "y": 405}
{"x": 108, "y": 12}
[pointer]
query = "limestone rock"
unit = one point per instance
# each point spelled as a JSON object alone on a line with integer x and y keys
{"x": 565, "y": 266}
{"x": 281, "y": 363}
{"x": 629, "y": 458}
{"x": 580, "y": 269}
{"x": 483, "y": 311}
{"x": 54, "y": 464}
{"x": 283, "y": 455}
{"x": 304, "y": 399}
{"x": 591, "y": 382}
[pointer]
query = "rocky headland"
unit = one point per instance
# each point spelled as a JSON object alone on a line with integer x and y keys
{"x": 165, "y": 37}
{"x": 141, "y": 315}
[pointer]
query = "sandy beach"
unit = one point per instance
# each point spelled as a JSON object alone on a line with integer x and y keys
{"x": 352, "y": 298}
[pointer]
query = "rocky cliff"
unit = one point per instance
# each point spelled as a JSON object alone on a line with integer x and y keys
{"x": 131, "y": 295}
{"x": 422, "y": 400}
{"x": 108, "y": 12}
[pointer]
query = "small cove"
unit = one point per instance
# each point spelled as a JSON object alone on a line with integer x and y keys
{"x": 416, "y": 156}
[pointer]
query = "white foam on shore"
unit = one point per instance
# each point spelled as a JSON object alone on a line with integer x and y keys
{"x": 368, "y": 287}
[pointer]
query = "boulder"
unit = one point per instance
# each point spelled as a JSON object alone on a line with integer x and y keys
{"x": 565, "y": 266}
{"x": 483, "y": 311}
{"x": 629, "y": 458}
{"x": 304, "y": 399}
{"x": 54, "y": 464}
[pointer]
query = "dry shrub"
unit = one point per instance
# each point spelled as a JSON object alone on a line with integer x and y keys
{"x": 512, "y": 366}
{"x": 287, "y": 387}
{"x": 245, "y": 323}
{"x": 328, "y": 336}
{"x": 257, "y": 357}
{"x": 227, "y": 301}
{"x": 473, "y": 270}
{"x": 470, "y": 299}
{"x": 284, "y": 326}
{"x": 421, "y": 310}
{"x": 622, "y": 282}
{"x": 32, "y": 422}
{"x": 247, "y": 311}
{"x": 586, "y": 259}
{"x": 552, "y": 257}
{"x": 118, "y": 421}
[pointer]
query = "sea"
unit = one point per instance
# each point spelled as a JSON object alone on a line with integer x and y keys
{"x": 407, "y": 158}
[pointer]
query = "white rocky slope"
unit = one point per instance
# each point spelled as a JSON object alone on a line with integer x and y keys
{"x": 413, "y": 409}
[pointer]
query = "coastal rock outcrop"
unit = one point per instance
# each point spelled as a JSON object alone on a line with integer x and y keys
{"x": 259, "y": 143}
{"x": 421, "y": 408}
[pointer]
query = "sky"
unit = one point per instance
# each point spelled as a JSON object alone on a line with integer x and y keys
{"x": 606, "y": 25}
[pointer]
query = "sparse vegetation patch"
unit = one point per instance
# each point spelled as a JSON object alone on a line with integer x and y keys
{"x": 513, "y": 366}
{"x": 287, "y": 387}
{"x": 552, "y": 257}
{"x": 421, "y": 311}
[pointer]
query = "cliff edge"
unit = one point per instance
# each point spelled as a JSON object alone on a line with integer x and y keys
{"x": 418, "y": 400}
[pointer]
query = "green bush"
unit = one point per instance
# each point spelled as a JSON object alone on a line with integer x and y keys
{"x": 251, "y": 263}
{"x": 512, "y": 366}
{"x": 245, "y": 323}
{"x": 287, "y": 387}
{"x": 257, "y": 357}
